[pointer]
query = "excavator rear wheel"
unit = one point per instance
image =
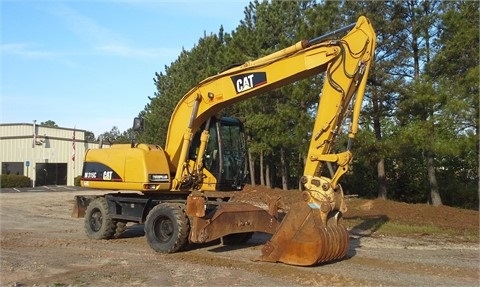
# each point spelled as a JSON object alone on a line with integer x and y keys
{"x": 98, "y": 223}
{"x": 167, "y": 227}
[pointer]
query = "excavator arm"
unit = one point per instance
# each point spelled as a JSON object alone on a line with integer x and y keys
{"x": 312, "y": 231}
{"x": 346, "y": 63}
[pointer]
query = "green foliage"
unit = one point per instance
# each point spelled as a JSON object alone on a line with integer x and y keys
{"x": 77, "y": 180}
{"x": 49, "y": 123}
{"x": 205, "y": 59}
{"x": 421, "y": 102}
{"x": 362, "y": 178}
{"x": 13, "y": 180}
{"x": 89, "y": 136}
{"x": 114, "y": 136}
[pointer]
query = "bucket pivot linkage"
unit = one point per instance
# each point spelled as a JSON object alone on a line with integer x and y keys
{"x": 312, "y": 231}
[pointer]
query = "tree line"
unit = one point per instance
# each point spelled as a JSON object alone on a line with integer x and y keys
{"x": 418, "y": 138}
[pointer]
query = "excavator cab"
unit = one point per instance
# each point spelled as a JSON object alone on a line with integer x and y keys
{"x": 225, "y": 153}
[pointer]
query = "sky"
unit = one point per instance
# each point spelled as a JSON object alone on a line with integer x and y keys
{"x": 90, "y": 65}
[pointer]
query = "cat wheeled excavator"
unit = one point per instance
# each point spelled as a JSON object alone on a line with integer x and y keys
{"x": 184, "y": 193}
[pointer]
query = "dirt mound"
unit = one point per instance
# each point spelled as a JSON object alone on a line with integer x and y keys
{"x": 416, "y": 214}
{"x": 443, "y": 217}
{"x": 263, "y": 197}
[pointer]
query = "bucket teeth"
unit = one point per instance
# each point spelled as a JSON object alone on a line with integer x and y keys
{"x": 301, "y": 239}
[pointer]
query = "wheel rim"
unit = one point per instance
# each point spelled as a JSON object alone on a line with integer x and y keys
{"x": 163, "y": 229}
{"x": 96, "y": 220}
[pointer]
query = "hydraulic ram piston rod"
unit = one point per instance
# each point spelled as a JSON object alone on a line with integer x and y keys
{"x": 322, "y": 38}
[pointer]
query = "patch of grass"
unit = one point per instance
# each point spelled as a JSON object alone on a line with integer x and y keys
{"x": 394, "y": 228}
{"x": 371, "y": 223}
{"x": 399, "y": 229}
{"x": 384, "y": 226}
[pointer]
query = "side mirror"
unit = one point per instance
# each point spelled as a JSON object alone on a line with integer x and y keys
{"x": 138, "y": 124}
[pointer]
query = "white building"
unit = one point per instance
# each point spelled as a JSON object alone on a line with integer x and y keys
{"x": 48, "y": 155}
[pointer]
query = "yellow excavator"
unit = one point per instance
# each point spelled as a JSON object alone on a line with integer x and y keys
{"x": 184, "y": 193}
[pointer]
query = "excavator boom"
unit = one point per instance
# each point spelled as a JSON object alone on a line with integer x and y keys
{"x": 345, "y": 61}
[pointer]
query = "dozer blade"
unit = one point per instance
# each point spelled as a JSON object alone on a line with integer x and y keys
{"x": 80, "y": 205}
{"x": 302, "y": 239}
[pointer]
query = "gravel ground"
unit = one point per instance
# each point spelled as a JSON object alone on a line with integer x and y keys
{"x": 41, "y": 245}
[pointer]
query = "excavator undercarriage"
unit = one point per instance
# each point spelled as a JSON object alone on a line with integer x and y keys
{"x": 303, "y": 233}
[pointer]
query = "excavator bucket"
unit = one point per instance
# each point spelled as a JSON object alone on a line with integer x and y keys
{"x": 303, "y": 239}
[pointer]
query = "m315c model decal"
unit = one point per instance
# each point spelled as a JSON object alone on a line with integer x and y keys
{"x": 98, "y": 171}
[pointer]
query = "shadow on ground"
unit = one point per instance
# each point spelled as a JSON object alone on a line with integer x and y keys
{"x": 367, "y": 225}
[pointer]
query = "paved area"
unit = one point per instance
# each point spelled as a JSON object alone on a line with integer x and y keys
{"x": 42, "y": 188}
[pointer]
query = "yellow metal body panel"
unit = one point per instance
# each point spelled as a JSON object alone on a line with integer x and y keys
{"x": 133, "y": 165}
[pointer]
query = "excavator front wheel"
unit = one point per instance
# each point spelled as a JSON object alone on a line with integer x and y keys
{"x": 98, "y": 223}
{"x": 167, "y": 227}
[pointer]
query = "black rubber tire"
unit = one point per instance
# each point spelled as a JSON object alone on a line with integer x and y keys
{"x": 167, "y": 227}
{"x": 98, "y": 223}
{"x": 237, "y": 238}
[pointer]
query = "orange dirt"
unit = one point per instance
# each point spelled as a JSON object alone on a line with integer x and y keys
{"x": 457, "y": 220}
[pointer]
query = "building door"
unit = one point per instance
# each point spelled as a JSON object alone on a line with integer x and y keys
{"x": 51, "y": 174}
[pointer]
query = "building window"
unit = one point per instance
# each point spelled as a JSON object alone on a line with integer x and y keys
{"x": 12, "y": 168}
